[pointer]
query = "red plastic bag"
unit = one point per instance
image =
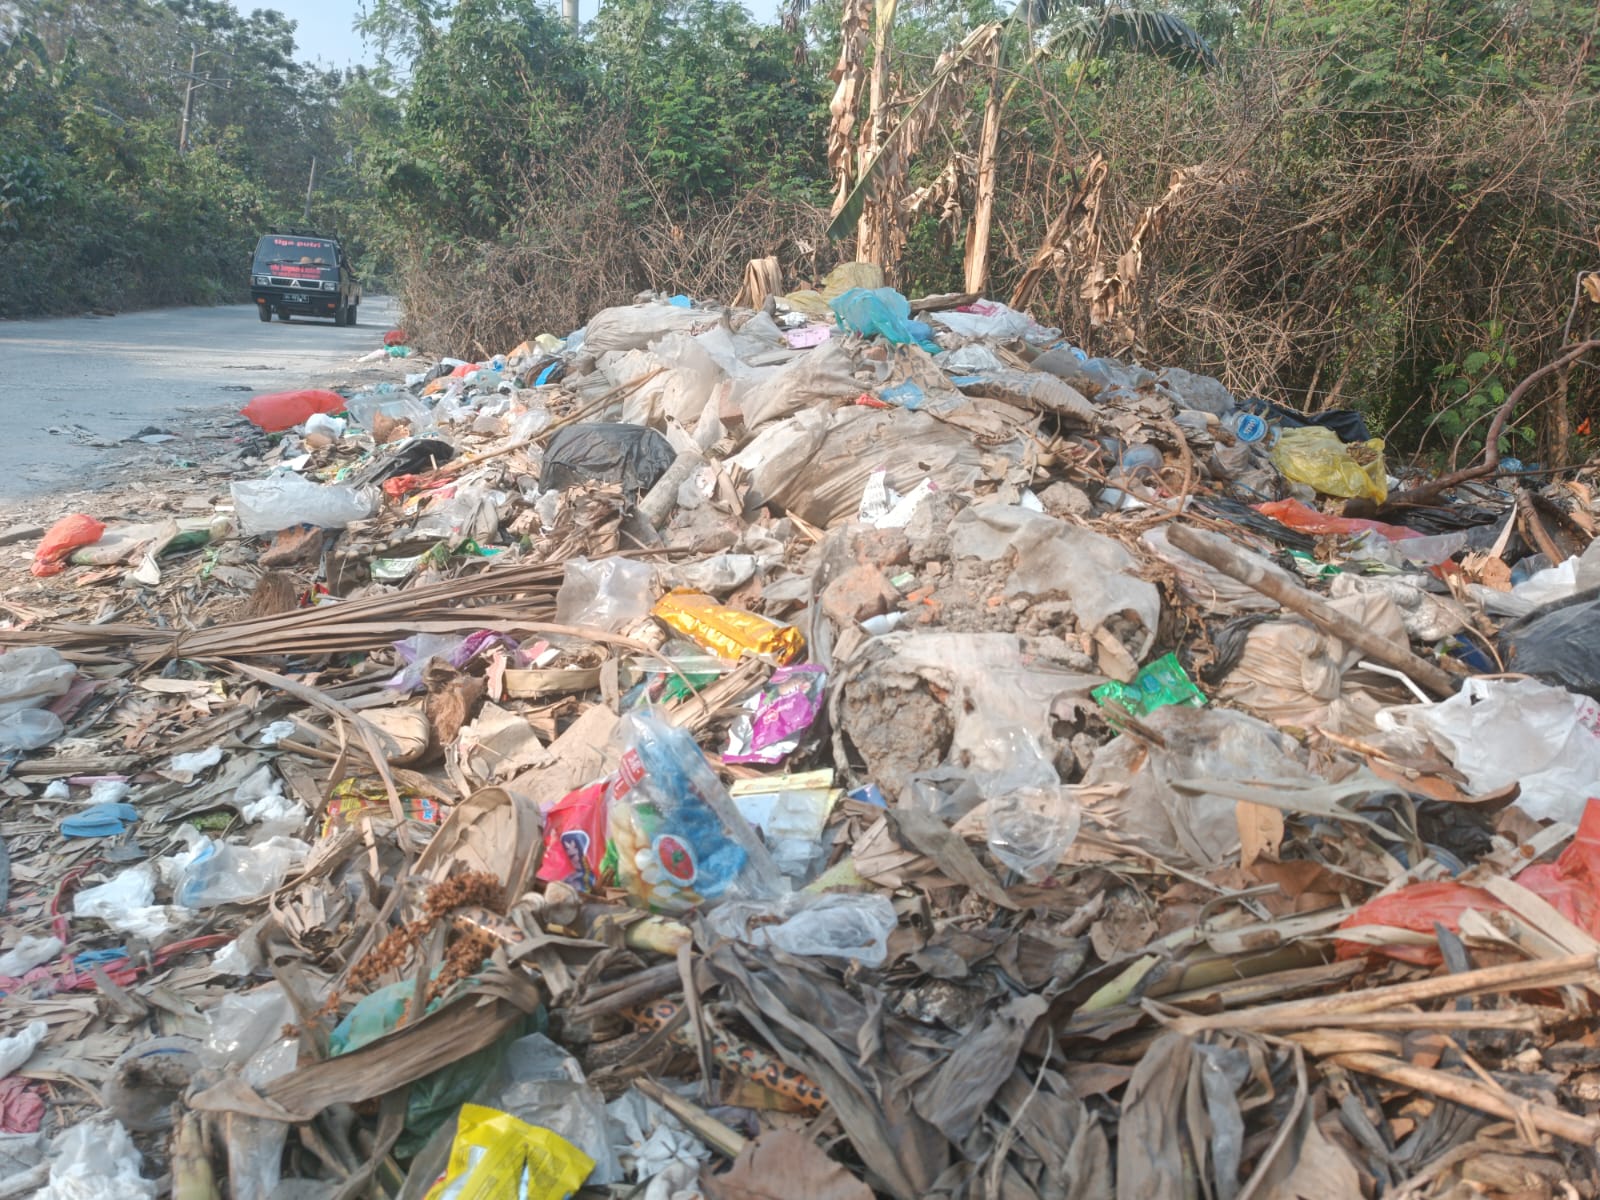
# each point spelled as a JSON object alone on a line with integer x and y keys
{"x": 395, "y": 337}
{"x": 61, "y": 539}
{"x": 1308, "y": 520}
{"x": 575, "y": 848}
{"x": 278, "y": 411}
{"x": 1571, "y": 885}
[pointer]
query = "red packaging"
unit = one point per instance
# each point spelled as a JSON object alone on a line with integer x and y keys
{"x": 277, "y": 411}
{"x": 575, "y": 847}
{"x": 1571, "y": 885}
{"x": 61, "y": 539}
{"x": 1306, "y": 519}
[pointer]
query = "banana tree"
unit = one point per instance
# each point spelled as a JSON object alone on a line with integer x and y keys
{"x": 870, "y": 168}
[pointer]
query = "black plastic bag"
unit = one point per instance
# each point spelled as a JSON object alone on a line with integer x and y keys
{"x": 1559, "y": 643}
{"x": 632, "y": 455}
{"x": 1348, "y": 425}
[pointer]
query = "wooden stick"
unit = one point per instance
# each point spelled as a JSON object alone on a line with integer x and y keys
{"x": 708, "y": 1129}
{"x": 1585, "y": 1131}
{"x": 1550, "y": 973}
{"x": 1522, "y": 1017}
{"x": 1252, "y": 570}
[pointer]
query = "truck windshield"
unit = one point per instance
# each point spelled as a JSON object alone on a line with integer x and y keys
{"x": 296, "y": 257}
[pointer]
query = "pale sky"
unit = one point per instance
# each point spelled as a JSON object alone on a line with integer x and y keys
{"x": 324, "y": 27}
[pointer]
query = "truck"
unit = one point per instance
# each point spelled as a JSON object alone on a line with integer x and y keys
{"x": 301, "y": 274}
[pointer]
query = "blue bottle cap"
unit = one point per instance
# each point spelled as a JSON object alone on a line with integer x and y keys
{"x": 1249, "y": 428}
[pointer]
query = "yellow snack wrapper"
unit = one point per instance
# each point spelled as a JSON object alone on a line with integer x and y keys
{"x": 728, "y": 633}
{"x": 492, "y": 1151}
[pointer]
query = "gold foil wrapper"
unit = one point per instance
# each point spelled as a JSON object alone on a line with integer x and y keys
{"x": 728, "y": 633}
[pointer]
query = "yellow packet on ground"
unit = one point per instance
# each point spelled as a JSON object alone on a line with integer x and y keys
{"x": 493, "y": 1151}
{"x": 728, "y": 633}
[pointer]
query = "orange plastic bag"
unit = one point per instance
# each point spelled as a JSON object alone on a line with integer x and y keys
{"x": 277, "y": 411}
{"x": 1571, "y": 885}
{"x": 1306, "y": 519}
{"x": 61, "y": 539}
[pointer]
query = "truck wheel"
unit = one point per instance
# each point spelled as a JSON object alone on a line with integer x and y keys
{"x": 353, "y": 308}
{"x": 341, "y": 316}
{"x": 283, "y": 314}
{"x": 264, "y": 312}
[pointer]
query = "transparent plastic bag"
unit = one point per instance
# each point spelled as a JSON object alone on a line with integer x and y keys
{"x": 879, "y": 312}
{"x": 609, "y": 594}
{"x": 830, "y": 925}
{"x": 1032, "y": 820}
{"x": 285, "y": 500}
{"x": 29, "y": 729}
{"x": 680, "y": 840}
{"x": 96, "y": 1160}
{"x": 224, "y": 873}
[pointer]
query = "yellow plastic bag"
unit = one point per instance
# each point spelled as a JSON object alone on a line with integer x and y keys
{"x": 1316, "y": 457}
{"x": 493, "y": 1151}
{"x": 839, "y": 281}
{"x": 729, "y": 633}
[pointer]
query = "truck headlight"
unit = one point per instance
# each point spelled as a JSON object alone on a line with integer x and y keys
{"x": 260, "y": 280}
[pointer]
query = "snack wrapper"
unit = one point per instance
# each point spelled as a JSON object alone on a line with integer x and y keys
{"x": 497, "y": 1157}
{"x": 778, "y": 717}
{"x": 730, "y": 633}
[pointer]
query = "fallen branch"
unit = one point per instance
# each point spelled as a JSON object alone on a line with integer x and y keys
{"x": 1491, "y": 449}
{"x": 1250, "y": 569}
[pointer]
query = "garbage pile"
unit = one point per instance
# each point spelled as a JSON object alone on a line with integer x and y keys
{"x": 837, "y": 747}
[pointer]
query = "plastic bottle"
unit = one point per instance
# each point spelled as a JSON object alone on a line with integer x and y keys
{"x": 1249, "y": 428}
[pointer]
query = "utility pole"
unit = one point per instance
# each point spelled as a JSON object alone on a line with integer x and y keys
{"x": 311, "y": 182}
{"x": 195, "y": 83}
{"x": 569, "y": 14}
{"x": 188, "y": 94}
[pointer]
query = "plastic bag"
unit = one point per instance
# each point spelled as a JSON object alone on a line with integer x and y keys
{"x": 19, "y": 1047}
{"x": 31, "y": 677}
{"x": 791, "y": 811}
{"x": 1296, "y": 515}
{"x": 576, "y": 849}
{"x": 680, "y": 841}
{"x": 820, "y": 377}
{"x": 1203, "y": 583}
{"x": 277, "y": 411}
{"x": 1499, "y": 732}
{"x": 1316, "y": 457}
{"x": 1185, "y": 827}
{"x": 1032, "y": 821}
{"x": 1157, "y": 685}
{"x": 285, "y": 500}
{"x": 544, "y": 1086}
{"x": 880, "y": 312}
{"x": 28, "y": 953}
{"x": 96, "y": 1160}
{"x": 1571, "y": 885}
{"x": 831, "y": 925}
{"x": 609, "y": 594}
{"x": 730, "y": 633}
{"x": 29, "y": 729}
{"x": 1558, "y": 644}
{"x": 61, "y": 539}
{"x": 496, "y": 1157}
{"x": 635, "y": 326}
{"x": 225, "y": 873}
{"x": 993, "y": 321}
{"x": 631, "y": 455}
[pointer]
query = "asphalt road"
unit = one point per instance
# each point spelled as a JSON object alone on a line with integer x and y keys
{"x": 80, "y": 387}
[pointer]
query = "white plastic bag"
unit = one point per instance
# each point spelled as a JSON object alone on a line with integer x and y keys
{"x": 31, "y": 677}
{"x": 19, "y": 1047}
{"x": 635, "y": 326}
{"x": 1500, "y": 732}
{"x": 126, "y": 903}
{"x": 281, "y": 501}
{"x": 995, "y": 322}
{"x": 96, "y": 1160}
{"x": 28, "y": 953}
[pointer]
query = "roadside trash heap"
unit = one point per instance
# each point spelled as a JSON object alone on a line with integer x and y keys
{"x": 836, "y": 747}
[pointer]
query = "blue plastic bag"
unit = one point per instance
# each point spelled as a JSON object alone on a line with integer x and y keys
{"x": 876, "y": 312}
